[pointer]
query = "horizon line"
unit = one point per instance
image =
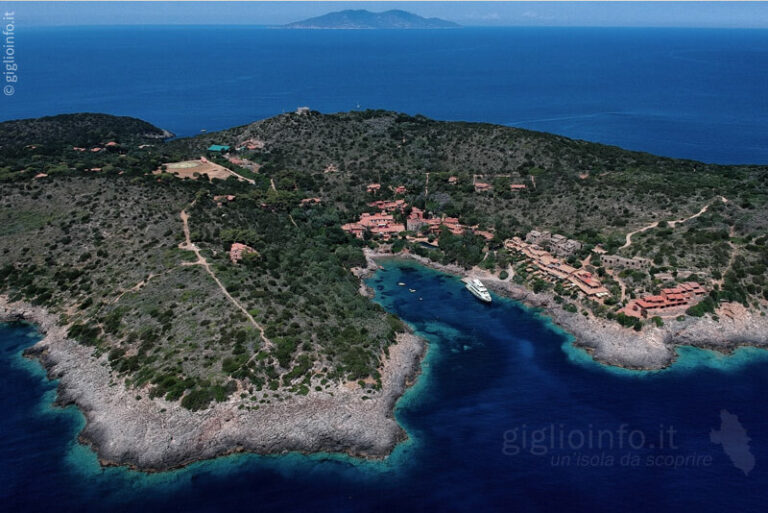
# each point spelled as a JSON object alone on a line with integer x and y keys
{"x": 284, "y": 25}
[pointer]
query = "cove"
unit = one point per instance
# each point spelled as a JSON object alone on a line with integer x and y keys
{"x": 499, "y": 391}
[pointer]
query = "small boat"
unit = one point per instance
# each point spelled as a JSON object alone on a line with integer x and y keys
{"x": 478, "y": 290}
{"x": 411, "y": 290}
{"x": 401, "y": 284}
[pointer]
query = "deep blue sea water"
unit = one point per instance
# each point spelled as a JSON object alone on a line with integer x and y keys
{"x": 689, "y": 93}
{"x": 494, "y": 377}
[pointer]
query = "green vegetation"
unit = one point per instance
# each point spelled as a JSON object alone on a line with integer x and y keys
{"x": 101, "y": 248}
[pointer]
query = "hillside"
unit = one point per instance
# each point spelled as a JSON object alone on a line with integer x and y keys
{"x": 362, "y": 19}
{"x": 98, "y": 238}
{"x": 77, "y": 130}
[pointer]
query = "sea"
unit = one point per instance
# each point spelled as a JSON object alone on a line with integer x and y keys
{"x": 507, "y": 415}
{"x": 688, "y": 93}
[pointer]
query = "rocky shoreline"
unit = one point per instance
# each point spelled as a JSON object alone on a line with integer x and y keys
{"x": 607, "y": 342}
{"x": 126, "y": 428}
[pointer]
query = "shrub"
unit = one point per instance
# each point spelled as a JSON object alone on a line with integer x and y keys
{"x": 707, "y": 305}
{"x": 197, "y": 399}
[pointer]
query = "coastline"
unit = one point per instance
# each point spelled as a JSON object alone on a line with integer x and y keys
{"x": 654, "y": 348}
{"x": 126, "y": 428}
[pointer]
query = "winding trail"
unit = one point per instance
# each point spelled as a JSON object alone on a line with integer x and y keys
{"x": 672, "y": 224}
{"x": 188, "y": 245}
{"x": 142, "y": 284}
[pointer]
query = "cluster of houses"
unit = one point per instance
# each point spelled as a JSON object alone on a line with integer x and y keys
{"x": 373, "y": 188}
{"x": 417, "y": 219}
{"x": 560, "y": 245}
{"x": 384, "y": 225}
{"x": 670, "y": 302}
{"x": 97, "y": 149}
{"x": 549, "y": 268}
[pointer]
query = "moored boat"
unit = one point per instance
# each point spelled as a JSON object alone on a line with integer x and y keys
{"x": 478, "y": 290}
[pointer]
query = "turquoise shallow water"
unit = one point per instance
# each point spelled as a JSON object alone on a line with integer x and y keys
{"x": 494, "y": 423}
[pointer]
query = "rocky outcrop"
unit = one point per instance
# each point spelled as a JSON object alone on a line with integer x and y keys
{"x": 125, "y": 427}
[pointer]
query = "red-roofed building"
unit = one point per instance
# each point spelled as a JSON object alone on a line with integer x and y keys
{"x": 373, "y": 187}
{"x": 453, "y": 180}
{"x": 400, "y": 189}
{"x": 517, "y": 187}
{"x": 453, "y": 225}
{"x": 671, "y": 302}
{"x": 587, "y": 283}
{"x": 237, "y": 251}
{"x": 253, "y": 144}
{"x": 310, "y": 201}
{"x": 482, "y": 187}
{"x": 111, "y": 144}
{"x": 389, "y": 206}
{"x": 355, "y": 229}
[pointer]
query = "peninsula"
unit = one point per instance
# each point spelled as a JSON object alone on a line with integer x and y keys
{"x": 202, "y": 296}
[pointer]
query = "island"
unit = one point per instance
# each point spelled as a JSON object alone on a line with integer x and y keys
{"x": 363, "y": 19}
{"x": 202, "y": 296}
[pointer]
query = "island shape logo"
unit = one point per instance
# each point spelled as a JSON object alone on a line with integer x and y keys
{"x": 735, "y": 441}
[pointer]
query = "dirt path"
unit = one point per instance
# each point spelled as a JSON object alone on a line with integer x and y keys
{"x": 188, "y": 245}
{"x": 272, "y": 183}
{"x": 241, "y": 177}
{"x": 672, "y": 224}
{"x": 141, "y": 284}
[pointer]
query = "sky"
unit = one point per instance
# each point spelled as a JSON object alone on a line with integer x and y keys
{"x": 598, "y": 14}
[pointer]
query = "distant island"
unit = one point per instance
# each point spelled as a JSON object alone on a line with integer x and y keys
{"x": 362, "y": 19}
{"x": 202, "y": 296}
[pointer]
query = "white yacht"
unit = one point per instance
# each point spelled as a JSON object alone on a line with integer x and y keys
{"x": 478, "y": 290}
